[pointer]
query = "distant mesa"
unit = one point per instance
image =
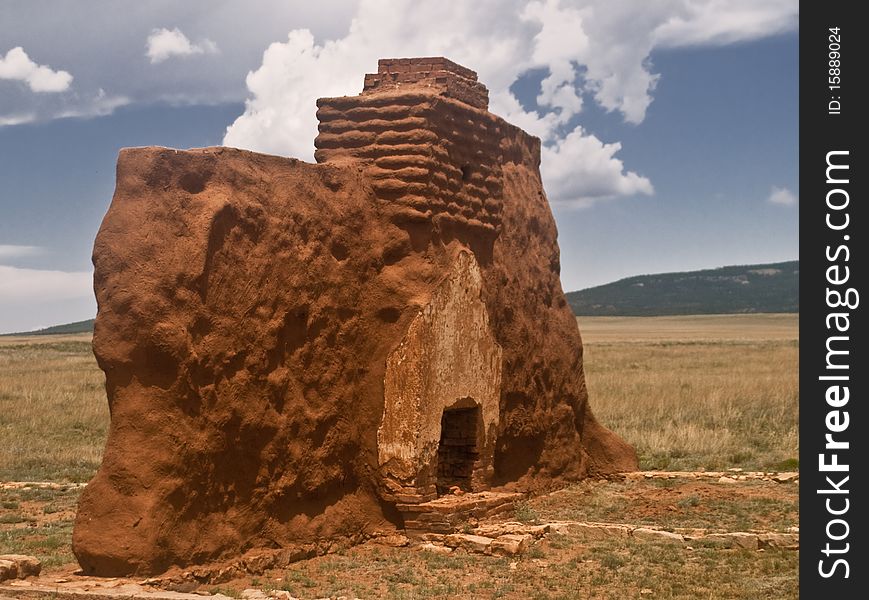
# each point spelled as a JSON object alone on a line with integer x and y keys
{"x": 86, "y": 326}
{"x": 766, "y": 288}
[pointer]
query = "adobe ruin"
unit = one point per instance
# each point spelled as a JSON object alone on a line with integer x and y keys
{"x": 298, "y": 354}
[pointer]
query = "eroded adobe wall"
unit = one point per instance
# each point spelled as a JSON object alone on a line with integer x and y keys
{"x": 248, "y": 306}
{"x": 442, "y": 161}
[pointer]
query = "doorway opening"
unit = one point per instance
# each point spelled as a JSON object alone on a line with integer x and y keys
{"x": 457, "y": 449}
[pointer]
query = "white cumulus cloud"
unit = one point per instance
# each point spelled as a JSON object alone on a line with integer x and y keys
{"x": 17, "y": 119}
{"x": 36, "y": 284}
{"x": 165, "y": 43}
{"x": 35, "y": 298}
{"x": 782, "y": 196}
{"x": 99, "y": 104}
{"x": 15, "y": 251}
{"x": 726, "y": 21}
{"x": 588, "y": 50}
{"x": 17, "y": 66}
{"x": 580, "y": 169}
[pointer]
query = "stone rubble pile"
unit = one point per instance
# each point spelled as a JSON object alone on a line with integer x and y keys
{"x": 18, "y": 566}
{"x": 513, "y": 539}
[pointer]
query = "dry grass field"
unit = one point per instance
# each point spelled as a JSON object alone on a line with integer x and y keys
{"x": 709, "y": 392}
{"x": 53, "y": 410}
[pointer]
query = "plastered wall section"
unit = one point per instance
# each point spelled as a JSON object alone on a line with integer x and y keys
{"x": 447, "y": 357}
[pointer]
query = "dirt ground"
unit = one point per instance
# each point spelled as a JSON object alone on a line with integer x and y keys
{"x": 743, "y": 506}
{"x": 560, "y": 565}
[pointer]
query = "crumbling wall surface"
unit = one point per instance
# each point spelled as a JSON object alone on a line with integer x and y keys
{"x": 249, "y": 307}
{"x": 437, "y": 157}
{"x": 549, "y": 433}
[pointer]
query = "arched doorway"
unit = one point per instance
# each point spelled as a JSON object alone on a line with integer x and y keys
{"x": 458, "y": 448}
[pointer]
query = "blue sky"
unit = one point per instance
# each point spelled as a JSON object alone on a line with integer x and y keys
{"x": 704, "y": 110}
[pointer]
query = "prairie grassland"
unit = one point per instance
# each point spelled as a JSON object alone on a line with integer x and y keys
{"x": 53, "y": 410}
{"x": 698, "y": 392}
{"x": 695, "y": 328}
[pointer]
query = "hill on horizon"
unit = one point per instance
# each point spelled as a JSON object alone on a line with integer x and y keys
{"x": 86, "y": 326}
{"x": 764, "y": 288}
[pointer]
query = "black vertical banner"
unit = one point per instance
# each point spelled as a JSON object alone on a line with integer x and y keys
{"x": 834, "y": 453}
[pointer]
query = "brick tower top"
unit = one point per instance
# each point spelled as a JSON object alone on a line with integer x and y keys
{"x": 429, "y": 145}
{"x": 455, "y": 81}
